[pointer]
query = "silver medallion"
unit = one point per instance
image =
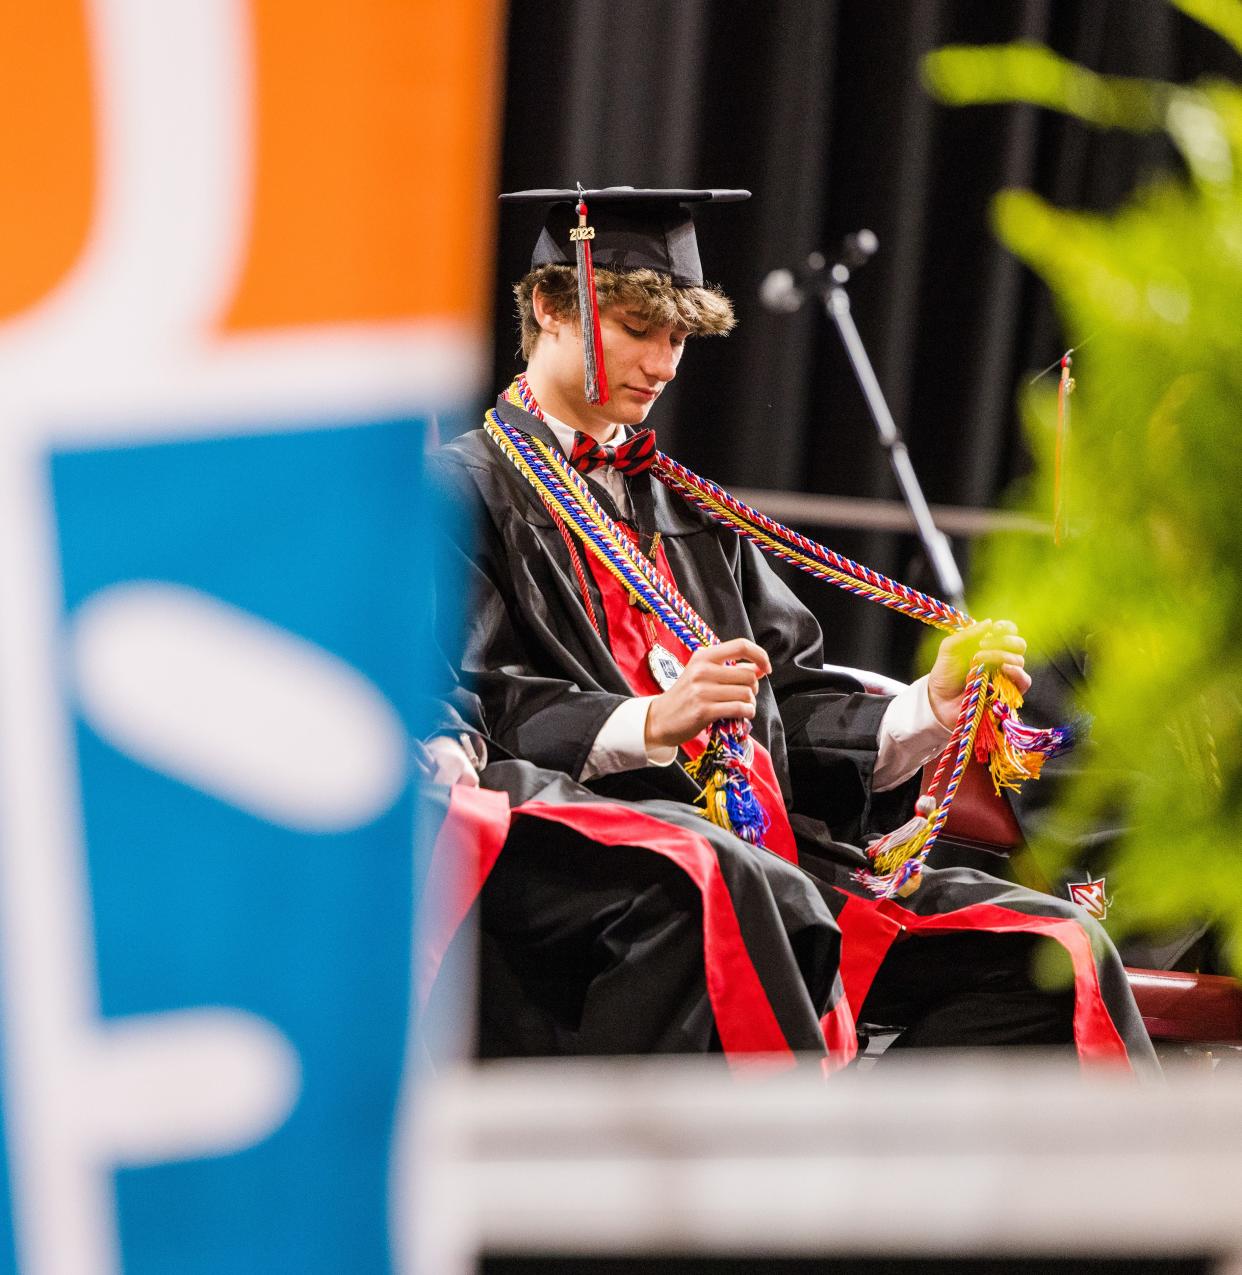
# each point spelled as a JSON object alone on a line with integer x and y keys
{"x": 665, "y": 667}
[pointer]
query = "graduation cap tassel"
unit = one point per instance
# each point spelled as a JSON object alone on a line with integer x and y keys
{"x": 595, "y": 378}
{"x": 1064, "y": 389}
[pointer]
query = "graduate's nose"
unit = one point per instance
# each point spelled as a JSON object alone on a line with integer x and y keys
{"x": 660, "y": 358}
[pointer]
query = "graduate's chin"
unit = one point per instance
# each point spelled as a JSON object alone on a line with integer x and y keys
{"x": 632, "y": 406}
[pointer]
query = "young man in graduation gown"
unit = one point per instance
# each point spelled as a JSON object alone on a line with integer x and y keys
{"x": 575, "y": 678}
{"x": 611, "y": 927}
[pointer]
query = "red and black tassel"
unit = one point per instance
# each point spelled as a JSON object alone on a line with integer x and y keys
{"x": 595, "y": 378}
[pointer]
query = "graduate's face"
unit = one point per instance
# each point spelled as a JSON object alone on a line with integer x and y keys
{"x": 640, "y": 360}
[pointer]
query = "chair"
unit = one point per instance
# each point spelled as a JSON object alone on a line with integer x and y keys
{"x": 1180, "y": 1008}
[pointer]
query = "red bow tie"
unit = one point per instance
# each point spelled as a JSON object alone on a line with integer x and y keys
{"x": 630, "y": 457}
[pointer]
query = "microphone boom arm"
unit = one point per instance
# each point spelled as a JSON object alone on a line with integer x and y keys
{"x": 784, "y": 291}
{"x": 935, "y": 542}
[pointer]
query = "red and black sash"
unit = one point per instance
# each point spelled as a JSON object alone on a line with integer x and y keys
{"x": 470, "y": 839}
{"x": 869, "y": 927}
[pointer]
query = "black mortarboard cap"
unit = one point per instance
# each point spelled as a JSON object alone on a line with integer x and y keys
{"x": 634, "y": 229}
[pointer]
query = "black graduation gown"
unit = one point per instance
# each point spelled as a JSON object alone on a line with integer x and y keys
{"x": 613, "y": 928}
{"x": 637, "y": 928}
{"x": 548, "y": 681}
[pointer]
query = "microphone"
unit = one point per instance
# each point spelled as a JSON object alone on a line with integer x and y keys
{"x": 784, "y": 291}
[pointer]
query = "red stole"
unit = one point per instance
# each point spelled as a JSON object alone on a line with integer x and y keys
{"x": 629, "y": 640}
{"x": 871, "y": 926}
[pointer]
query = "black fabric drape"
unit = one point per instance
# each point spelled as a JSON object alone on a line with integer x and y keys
{"x": 816, "y": 106}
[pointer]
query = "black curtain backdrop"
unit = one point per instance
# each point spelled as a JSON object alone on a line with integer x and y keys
{"x": 817, "y": 107}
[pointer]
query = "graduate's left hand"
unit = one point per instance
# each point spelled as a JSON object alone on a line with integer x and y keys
{"x": 444, "y": 761}
{"x": 1000, "y": 646}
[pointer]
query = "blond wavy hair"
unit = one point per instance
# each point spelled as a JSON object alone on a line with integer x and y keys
{"x": 649, "y": 295}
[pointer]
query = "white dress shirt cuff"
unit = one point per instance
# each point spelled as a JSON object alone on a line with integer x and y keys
{"x": 622, "y": 742}
{"x": 910, "y": 736}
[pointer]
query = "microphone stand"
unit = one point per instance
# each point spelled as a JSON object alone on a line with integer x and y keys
{"x": 935, "y": 543}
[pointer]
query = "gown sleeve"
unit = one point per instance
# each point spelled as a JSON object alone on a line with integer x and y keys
{"x": 549, "y": 712}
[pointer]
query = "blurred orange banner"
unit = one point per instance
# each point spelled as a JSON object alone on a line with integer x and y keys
{"x": 245, "y": 250}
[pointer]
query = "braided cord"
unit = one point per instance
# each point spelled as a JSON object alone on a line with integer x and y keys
{"x": 791, "y": 546}
{"x": 579, "y": 573}
{"x": 566, "y": 496}
{"x": 903, "y": 876}
{"x": 974, "y": 705}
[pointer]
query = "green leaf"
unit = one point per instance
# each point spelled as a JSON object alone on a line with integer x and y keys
{"x": 963, "y": 75}
{"x": 1149, "y": 581}
{"x": 1222, "y": 16}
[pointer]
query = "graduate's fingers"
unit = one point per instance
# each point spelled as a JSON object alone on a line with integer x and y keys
{"x": 741, "y": 649}
{"x": 1018, "y": 676}
{"x": 1004, "y": 635}
{"x": 720, "y": 689}
{"x": 999, "y": 648}
{"x": 971, "y": 633}
{"x": 729, "y": 709}
{"x": 716, "y": 694}
{"x": 962, "y": 644}
{"x": 736, "y": 675}
{"x": 1015, "y": 644}
{"x": 703, "y": 666}
{"x": 1014, "y": 668}
{"x": 1004, "y": 648}
{"x": 449, "y": 763}
{"x": 733, "y": 681}
{"x": 994, "y": 654}
{"x": 989, "y": 640}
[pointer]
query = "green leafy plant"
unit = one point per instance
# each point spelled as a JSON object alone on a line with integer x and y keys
{"x": 1150, "y": 578}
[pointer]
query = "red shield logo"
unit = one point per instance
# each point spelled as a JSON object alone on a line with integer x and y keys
{"x": 1091, "y": 896}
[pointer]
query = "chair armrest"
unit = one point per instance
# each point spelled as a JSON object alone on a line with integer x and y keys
{"x": 1201, "y": 1009}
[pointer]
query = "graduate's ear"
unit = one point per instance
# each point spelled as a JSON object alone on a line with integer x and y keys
{"x": 545, "y": 316}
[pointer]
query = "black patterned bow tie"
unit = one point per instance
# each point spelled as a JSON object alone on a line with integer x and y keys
{"x": 630, "y": 457}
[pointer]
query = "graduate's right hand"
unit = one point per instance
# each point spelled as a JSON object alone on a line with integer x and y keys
{"x": 718, "y": 682}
